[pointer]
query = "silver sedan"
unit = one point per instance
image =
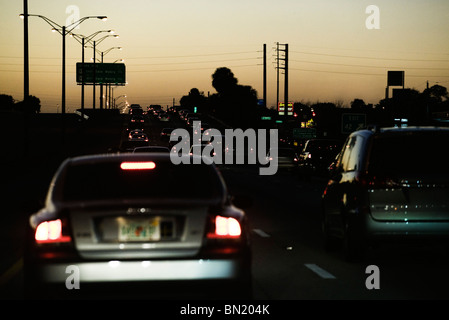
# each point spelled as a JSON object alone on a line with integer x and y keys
{"x": 138, "y": 220}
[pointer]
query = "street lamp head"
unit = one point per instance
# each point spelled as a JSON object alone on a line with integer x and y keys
{"x": 102, "y": 18}
{"x": 21, "y": 16}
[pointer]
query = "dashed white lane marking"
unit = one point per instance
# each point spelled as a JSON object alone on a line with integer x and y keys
{"x": 261, "y": 233}
{"x": 11, "y": 271}
{"x": 320, "y": 271}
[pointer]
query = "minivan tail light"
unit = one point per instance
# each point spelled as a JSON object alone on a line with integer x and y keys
{"x": 378, "y": 181}
{"x": 225, "y": 227}
{"x": 51, "y": 232}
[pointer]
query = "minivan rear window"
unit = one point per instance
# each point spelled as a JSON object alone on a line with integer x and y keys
{"x": 410, "y": 154}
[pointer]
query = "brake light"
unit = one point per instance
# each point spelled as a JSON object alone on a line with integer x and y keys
{"x": 143, "y": 165}
{"x": 378, "y": 181}
{"x": 226, "y": 227}
{"x": 50, "y": 231}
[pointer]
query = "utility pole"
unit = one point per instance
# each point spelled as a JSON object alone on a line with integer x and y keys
{"x": 277, "y": 74}
{"x": 285, "y": 67}
{"x": 26, "y": 77}
{"x": 286, "y": 81}
{"x": 26, "y": 74}
{"x": 265, "y": 75}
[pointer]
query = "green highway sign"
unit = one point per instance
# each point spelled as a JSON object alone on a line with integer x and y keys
{"x": 352, "y": 122}
{"x": 105, "y": 73}
{"x": 304, "y": 133}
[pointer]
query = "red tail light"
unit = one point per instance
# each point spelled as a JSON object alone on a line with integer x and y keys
{"x": 144, "y": 165}
{"x": 51, "y": 232}
{"x": 378, "y": 181}
{"x": 225, "y": 227}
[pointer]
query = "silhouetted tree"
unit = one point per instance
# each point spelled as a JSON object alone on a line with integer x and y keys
{"x": 358, "y": 104}
{"x": 223, "y": 80}
{"x": 195, "y": 98}
{"x": 436, "y": 92}
{"x": 6, "y": 102}
{"x": 235, "y": 104}
{"x": 31, "y": 105}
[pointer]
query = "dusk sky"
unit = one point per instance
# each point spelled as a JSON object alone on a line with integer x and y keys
{"x": 171, "y": 46}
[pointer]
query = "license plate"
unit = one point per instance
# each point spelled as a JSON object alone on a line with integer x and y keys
{"x": 139, "y": 230}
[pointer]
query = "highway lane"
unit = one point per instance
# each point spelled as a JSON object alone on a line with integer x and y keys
{"x": 289, "y": 262}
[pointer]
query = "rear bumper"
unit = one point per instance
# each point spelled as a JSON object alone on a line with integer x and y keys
{"x": 144, "y": 270}
{"x": 379, "y": 229}
{"x": 145, "y": 279}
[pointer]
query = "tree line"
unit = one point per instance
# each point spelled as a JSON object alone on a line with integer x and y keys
{"x": 32, "y": 105}
{"x": 238, "y": 106}
{"x": 233, "y": 103}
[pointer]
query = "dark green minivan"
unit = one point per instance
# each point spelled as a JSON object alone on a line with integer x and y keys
{"x": 388, "y": 184}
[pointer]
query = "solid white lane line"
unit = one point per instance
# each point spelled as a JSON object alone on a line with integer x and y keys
{"x": 320, "y": 271}
{"x": 261, "y": 233}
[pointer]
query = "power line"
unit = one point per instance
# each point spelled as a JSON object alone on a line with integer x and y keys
{"x": 192, "y": 62}
{"x": 192, "y": 69}
{"x": 365, "y": 66}
{"x": 366, "y": 74}
{"x": 370, "y": 58}
{"x": 154, "y": 57}
{"x": 195, "y": 55}
{"x": 142, "y": 64}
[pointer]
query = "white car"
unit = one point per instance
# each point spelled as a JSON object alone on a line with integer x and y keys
{"x": 137, "y": 219}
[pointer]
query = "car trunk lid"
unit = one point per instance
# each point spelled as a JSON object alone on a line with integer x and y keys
{"x": 139, "y": 232}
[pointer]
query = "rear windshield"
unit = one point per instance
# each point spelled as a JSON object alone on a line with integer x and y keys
{"x": 410, "y": 154}
{"x": 108, "y": 181}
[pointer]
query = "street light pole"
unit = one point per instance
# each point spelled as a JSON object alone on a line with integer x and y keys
{"x": 101, "y": 87}
{"x": 26, "y": 77}
{"x": 94, "y": 75}
{"x": 83, "y": 74}
{"x": 26, "y": 72}
{"x": 63, "y": 30}
{"x": 83, "y": 40}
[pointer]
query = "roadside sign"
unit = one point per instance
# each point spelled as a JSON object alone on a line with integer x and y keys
{"x": 351, "y": 122}
{"x": 395, "y": 78}
{"x": 105, "y": 73}
{"x": 304, "y": 133}
{"x": 281, "y": 108}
